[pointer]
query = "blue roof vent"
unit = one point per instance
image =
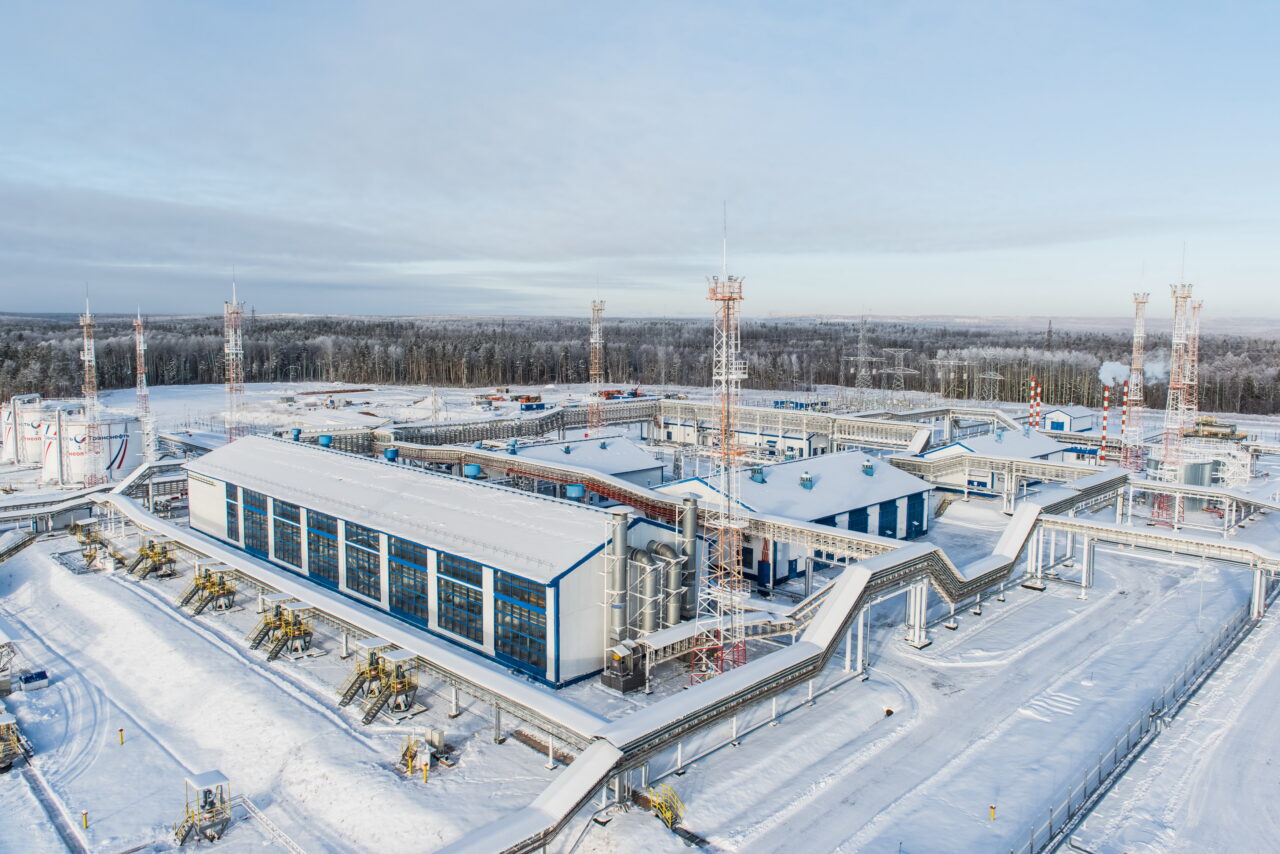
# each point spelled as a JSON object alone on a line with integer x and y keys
{"x": 567, "y": 449}
{"x": 869, "y": 468}
{"x": 477, "y": 445}
{"x": 603, "y": 445}
{"x": 999, "y": 435}
{"x": 324, "y": 441}
{"x": 806, "y": 481}
{"x": 297, "y": 433}
{"x": 757, "y": 474}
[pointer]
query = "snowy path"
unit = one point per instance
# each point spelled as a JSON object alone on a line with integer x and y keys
{"x": 189, "y": 700}
{"x": 1005, "y": 711}
{"x": 1210, "y": 782}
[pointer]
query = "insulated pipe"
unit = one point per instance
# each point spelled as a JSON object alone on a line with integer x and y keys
{"x": 689, "y": 549}
{"x": 617, "y": 592}
{"x": 648, "y": 589}
{"x": 671, "y": 593}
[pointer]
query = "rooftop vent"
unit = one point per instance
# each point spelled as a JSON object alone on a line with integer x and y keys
{"x": 806, "y": 481}
{"x": 567, "y": 449}
{"x": 757, "y": 474}
{"x": 868, "y": 468}
{"x": 603, "y": 445}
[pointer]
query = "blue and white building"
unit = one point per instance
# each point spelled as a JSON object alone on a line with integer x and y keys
{"x": 512, "y": 576}
{"x": 1071, "y": 419}
{"x": 848, "y": 490}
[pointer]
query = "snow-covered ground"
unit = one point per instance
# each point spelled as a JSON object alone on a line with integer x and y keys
{"x": 191, "y": 697}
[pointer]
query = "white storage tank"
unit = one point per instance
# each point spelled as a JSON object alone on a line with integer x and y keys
{"x": 65, "y": 458}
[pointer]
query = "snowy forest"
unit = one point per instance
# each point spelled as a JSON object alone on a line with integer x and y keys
{"x": 41, "y": 354}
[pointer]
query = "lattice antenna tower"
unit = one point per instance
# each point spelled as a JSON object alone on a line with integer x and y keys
{"x": 989, "y": 385}
{"x": 720, "y": 640}
{"x": 595, "y": 403}
{"x": 863, "y": 360}
{"x": 899, "y": 371}
{"x": 95, "y": 471}
{"x": 233, "y": 351}
{"x": 1134, "y": 454}
{"x": 1179, "y": 413}
{"x": 142, "y": 394}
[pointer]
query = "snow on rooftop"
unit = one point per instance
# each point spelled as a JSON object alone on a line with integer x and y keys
{"x": 531, "y": 535}
{"x": 1074, "y": 410}
{"x": 839, "y": 484}
{"x": 1010, "y": 443}
{"x": 611, "y": 455}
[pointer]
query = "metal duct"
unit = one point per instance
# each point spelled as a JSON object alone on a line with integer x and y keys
{"x": 673, "y": 577}
{"x": 648, "y": 589}
{"x": 689, "y": 549}
{"x": 617, "y": 568}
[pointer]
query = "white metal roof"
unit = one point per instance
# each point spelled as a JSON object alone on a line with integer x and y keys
{"x": 1005, "y": 443}
{"x": 611, "y": 455}
{"x": 531, "y": 535}
{"x": 1074, "y": 411}
{"x": 838, "y": 485}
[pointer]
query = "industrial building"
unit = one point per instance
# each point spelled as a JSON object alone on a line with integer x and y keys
{"x": 616, "y": 456}
{"x": 784, "y": 444}
{"x": 1071, "y": 419}
{"x": 515, "y": 577}
{"x": 848, "y": 490}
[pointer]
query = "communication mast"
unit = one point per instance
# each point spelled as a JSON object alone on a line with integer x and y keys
{"x": 595, "y": 403}
{"x": 720, "y": 643}
{"x": 233, "y": 350}
{"x": 142, "y": 396}
{"x": 95, "y": 470}
{"x": 1133, "y": 455}
{"x": 863, "y": 360}
{"x": 1179, "y": 413}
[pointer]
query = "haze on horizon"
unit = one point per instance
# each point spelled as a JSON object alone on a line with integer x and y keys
{"x": 912, "y": 158}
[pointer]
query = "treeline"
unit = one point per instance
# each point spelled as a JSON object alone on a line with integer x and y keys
{"x": 41, "y": 354}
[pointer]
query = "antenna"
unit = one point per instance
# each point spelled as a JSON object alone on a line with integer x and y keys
{"x": 724, "y": 246}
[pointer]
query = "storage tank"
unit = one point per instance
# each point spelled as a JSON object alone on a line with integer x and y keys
{"x": 65, "y": 458}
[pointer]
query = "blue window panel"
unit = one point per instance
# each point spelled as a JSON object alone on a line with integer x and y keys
{"x": 255, "y": 500}
{"x": 408, "y": 552}
{"x": 888, "y": 519}
{"x": 520, "y": 636}
{"x": 520, "y": 590}
{"x": 287, "y": 543}
{"x": 322, "y": 559}
{"x": 255, "y": 531}
{"x": 233, "y": 521}
{"x": 916, "y": 506}
{"x": 322, "y": 523}
{"x": 364, "y": 572}
{"x": 285, "y": 510}
{"x": 233, "y": 492}
{"x": 407, "y": 592}
{"x": 362, "y": 536}
{"x": 460, "y": 569}
{"x": 460, "y": 609}
{"x": 859, "y": 519}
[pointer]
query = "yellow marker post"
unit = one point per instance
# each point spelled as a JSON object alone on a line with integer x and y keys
{"x": 122, "y": 735}
{"x": 84, "y": 819}
{"x": 425, "y": 766}
{"x": 993, "y": 812}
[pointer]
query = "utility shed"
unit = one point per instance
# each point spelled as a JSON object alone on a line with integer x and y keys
{"x": 1071, "y": 419}
{"x": 848, "y": 490}
{"x": 510, "y": 575}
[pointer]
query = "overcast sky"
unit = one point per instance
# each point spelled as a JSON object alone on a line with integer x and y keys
{"x": 425, "y": 158}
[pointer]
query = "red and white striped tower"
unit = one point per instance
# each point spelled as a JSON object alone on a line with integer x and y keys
{"x": 595, "y": 404}
{"x": 233, "y": 350}
{"x": 1134, "y": 453}
{"x": 720, "y": 641}
{"x": 94, "y": 467}
{"x": 142, "y": 395}
{"x": 1031, "y": 405}
{"x": 1106, "y": 408}
{"x": 1124, "y": 416}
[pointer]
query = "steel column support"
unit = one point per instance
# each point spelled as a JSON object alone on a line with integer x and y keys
{"x": 1258, "y": 602}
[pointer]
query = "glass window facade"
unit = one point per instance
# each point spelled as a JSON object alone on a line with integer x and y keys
{"x": 255, "y": 522}
{"x": 407, "y": 593}
{"x": 322, "y": 558}
{"x": 406, "y": 551}
{"x": 460, "y": 568}
{"x": 287, "y": 546}
{"x": 285, "y": 510}
{"x": 460, "y": 609}
{"x": 233, "y": 513}
{"x": 520, "y": 621}
{"x": 323, "y": 524}
{"x": 362, "y": 536}
{"x": 364, "y": 572}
